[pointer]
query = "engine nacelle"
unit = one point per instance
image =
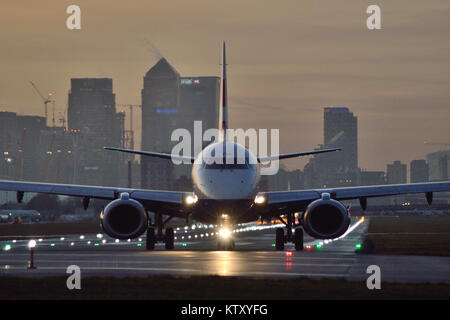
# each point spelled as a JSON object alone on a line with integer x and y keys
{"x": 326, "y": 218}
{"x": 124, "y": 218}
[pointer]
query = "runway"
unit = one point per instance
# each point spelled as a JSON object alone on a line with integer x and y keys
{"x": 195, "y": 254}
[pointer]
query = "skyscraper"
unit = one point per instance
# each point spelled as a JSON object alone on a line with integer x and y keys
{"x": 418, "y": 171}
{"x": 171, "y": 102}
{"x": 94, "y": 123}
{"x": 340, "y": 129}
{"x": 336, "y": 168}
{"x": 396, "y": 173}
{"x": 439, "y": 165}
{"x": 160, "y": 105}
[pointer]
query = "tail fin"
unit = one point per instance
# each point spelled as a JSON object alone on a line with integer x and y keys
{"x": 223, "y": 115}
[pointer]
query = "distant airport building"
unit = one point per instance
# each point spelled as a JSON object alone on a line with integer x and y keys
{"x": 171, "y": 102}
{"x": 418, "y": 171}
{"x": 93, "y": 124}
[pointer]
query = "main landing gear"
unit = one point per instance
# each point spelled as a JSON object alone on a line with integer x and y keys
{"x": 296, "y": 238}
{"x": 152, "y": 237}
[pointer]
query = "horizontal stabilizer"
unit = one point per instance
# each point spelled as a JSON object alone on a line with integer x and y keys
{"x": 153, "y": 154}
{"x": 294, "y": 155}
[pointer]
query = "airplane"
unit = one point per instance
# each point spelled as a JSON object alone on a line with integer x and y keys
{"x": 226, "y": 193}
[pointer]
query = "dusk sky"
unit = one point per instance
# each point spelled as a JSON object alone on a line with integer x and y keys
{"x": 287, "y": 60}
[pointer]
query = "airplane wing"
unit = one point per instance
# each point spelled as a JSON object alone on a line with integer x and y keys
{"x": 153, "y": 154}
{"x": 294, "y": 155}
{"x": 170, "y": 201}
{"x": 299, "y": 199}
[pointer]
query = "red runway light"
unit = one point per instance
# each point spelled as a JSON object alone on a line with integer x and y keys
{"x": 288, "y": 253}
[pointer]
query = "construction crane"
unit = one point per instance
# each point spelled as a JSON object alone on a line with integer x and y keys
{"x": 436, "y": 143}
{"x": 131, "y": 131}
{"x": 46, "y": 101}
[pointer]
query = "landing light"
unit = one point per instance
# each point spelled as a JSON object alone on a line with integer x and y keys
{"x": 224, "y": 233}
{"x": 260, "y": 199}
{"x": 191, "y": 199}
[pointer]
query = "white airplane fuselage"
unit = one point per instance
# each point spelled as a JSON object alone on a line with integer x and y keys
{"x": 225, "y": 182}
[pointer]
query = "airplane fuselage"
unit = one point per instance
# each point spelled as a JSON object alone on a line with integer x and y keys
{"x": 225, "y": 177}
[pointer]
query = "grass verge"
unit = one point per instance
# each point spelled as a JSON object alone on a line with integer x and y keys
{"x": 409, "y": 235}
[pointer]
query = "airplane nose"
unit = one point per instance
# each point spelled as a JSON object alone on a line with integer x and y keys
{"x": 227, "y": 186}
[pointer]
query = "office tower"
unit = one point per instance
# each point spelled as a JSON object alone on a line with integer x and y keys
{"x": 93, "y": 124}
{"x": 396, "y": 173}
{"x": 340, "y": 129}
{"x": 171, "y": 102}
{"x": 439, "y": 165}
{"x": 418, "y": 171}
{"x": 336, "y": 168}
{"x": 160, "y": 105}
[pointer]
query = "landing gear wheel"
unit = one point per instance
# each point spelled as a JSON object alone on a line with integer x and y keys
{"x": 298, "y": 239}
{"x": 151, "y": 239}
{"x": 279, "y": 239}
{"x": 169, "y": 239}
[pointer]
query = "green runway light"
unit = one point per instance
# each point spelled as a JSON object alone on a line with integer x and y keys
{"x": 358, "y": 246}
{"x": 96, "y": 244}
{"x": 52, "y": 245}
{"x": 273, "y": 244}
{"x": 139, "y": 244}
{"x": 319, "y": 246}
{"x": 7, "y": 247}
{"x": 184, "y": 244}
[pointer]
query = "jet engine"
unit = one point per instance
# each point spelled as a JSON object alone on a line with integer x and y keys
{"x": 326, "y": 218}
{"x": 124, "y": 218}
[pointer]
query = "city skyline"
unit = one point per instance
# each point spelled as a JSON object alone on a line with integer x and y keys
{"x": 282, "y": 78}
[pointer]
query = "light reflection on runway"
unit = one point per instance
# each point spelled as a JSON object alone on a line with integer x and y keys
{"x": 254, "y": 256}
